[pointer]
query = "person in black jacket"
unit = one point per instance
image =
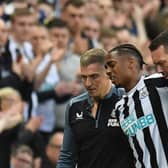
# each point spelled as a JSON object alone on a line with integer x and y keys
{"x": 92, "y": 137}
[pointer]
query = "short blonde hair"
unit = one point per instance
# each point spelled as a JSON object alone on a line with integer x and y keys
{"x": 7, "y": 91}
{"x": 95, "y": 55}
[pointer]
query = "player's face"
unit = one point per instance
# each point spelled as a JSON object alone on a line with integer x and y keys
{"x": 160, "y": 59}
{"x": 94, "y": 79}
{"x": 117, "y": 70}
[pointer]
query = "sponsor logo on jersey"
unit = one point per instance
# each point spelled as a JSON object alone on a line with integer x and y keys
{"x": 131, "y": 125}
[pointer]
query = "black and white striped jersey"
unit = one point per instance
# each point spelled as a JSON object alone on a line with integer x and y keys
{"x": 143, "y": 115}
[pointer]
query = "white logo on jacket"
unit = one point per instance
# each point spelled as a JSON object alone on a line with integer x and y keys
{"x": 79, "y": 116}
{"x": 113, "y": 122}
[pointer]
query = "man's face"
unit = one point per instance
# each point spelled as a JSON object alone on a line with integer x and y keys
{"x": 8, "y": 101}
{"x": 109, "y": 42}
{"x": 117, "y": 70}
{"x": 22, "y": 160}
{"x": 60, "y": 37}
{"x": 104, "y": 7}
{"x": 92, "y": 29}
{"x": 53, "y": 148}
{"x": 3, "y": 33}
{"x": 123, "y": 36}
{"x": 160, "y": 59}
{"x": 92, "y": 8}
{"x": 75, "y": 17}
{"x": 22, "y": 26}
{"x": 38, "y": 36}
{"x": 94, "y": 79}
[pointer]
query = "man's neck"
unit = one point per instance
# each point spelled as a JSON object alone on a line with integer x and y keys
{"x": 105, "y": 90}
{"x": 133, "y": 82}
{"x": 18, "y": 41}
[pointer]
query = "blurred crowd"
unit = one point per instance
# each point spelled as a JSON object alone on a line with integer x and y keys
{"x": 40, "y": 46}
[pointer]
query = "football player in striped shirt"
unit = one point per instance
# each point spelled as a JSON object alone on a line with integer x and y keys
{"x": 143, "y": 110}
{"x": 159, "y": 53}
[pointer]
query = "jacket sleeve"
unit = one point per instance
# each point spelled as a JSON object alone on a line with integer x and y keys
{"x": 68, "y": 154}
{"x": 33, "y": 140}
{"x": 50, "y": 94}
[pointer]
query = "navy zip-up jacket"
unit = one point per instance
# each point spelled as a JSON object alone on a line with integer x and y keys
{"x": 94, "y": 142}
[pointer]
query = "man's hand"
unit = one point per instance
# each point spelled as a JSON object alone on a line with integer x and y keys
{"x": 57, "y": 54}
{"x": 64, "y": 88}
{"x": 34, "y": 123}
{"x": 80, "y": 45}
{"x": 43, "y": 48}
{"x": 11, "y": 117}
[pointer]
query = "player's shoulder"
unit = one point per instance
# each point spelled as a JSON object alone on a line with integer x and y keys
{"x": 79, "y": 98}
{"x": 154, "y": 76}
{"x": 120, "y": 103}
{"x": 157, "y": 80}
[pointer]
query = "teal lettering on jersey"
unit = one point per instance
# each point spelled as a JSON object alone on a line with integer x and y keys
{"x": 130, "y": 125}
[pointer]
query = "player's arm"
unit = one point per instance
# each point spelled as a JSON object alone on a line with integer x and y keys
{"x": 68, "y": 154}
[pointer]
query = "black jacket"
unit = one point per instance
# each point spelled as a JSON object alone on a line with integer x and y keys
{"x": 94, "y": 142}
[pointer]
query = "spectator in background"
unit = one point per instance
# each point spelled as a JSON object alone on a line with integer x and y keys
{"x": 15, "y": 80}
{"x": 22, "y": 157}
{"x": 60, "y": 36}
{"x": 13, "y": 130}
{"x": 123, "y": 35}
{"x": 92, "y": 8}
{"x": 92, "y": 30}
{"x": 7, "y": 60}
{"x": 11, "y": 115}
{"x": 40, "y": 58}
{"x": 22, "y": 22}
{"x": 74, "y": 14}
{"x": 59, "y": 33}
{"x": 14, "y": 73}
{"x": 104, "y": 10}
{"x": 46, "y": 76}
{"x": 52, "y": 151}
{"x": 152, "y": 21}
{"x": 108, "y": 38}
{"x": 44, "y": 58}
